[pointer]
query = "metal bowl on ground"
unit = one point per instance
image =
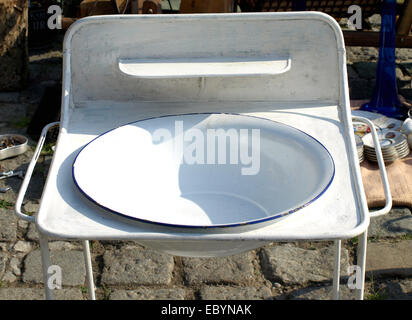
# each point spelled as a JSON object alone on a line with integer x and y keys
{"x": 12, "y": 145}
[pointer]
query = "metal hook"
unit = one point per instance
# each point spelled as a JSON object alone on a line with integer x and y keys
{"x": 11, "y": 173}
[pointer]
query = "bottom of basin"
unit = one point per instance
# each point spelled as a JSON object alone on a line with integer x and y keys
{"x": 200, "y": 209}
{"x": 202, "y": 249}
{"x": 216, "y": 209}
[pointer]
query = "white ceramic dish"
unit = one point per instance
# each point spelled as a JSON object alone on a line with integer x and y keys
{"x": 154, "y": 181}
{"x": 386, "y": 137}
{"x": 388, "y": 158}
{"x": 393, "y": 143}
{"x": 392, "y": 151}
{"x": 380, "y": 121}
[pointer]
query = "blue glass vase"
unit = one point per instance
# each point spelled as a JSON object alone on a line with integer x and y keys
{"x": 385, "y": 98}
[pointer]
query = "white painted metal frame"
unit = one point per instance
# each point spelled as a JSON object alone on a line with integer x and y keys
{"x": 100, "y": 92}
{"x": 363, "y": 238}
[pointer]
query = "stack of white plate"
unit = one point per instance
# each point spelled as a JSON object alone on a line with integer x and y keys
{"x": 359, "y": 148}
{"x": 394, "y": 145}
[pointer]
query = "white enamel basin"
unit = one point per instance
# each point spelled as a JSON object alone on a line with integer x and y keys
{"x": 162, "y": 171}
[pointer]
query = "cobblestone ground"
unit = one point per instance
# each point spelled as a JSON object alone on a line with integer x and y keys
{"x": 126, "y": 270}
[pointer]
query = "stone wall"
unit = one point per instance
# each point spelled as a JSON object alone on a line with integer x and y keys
{"x": 13, "y": 44}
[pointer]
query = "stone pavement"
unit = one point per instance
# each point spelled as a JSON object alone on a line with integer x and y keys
{"x": 126, "y": 270}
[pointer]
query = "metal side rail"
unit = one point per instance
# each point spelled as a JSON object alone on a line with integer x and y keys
{"x": 45, "y": 254}
{"x": 382, "y": 169}
{"x": 29, "y": 172}
{"x": 363, "y": 238}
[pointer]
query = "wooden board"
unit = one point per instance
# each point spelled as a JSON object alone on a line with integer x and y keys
{"x": 399, "y": 176}
{"x": 400, "y": 181}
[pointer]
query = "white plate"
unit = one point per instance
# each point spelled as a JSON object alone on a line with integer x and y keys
{"x": 391, "y": 151}
{"x": 386, "y": 138}
{"x": 380, "y": 121}
{"x": 388, "y": 157}
{"x": 128, "y": 172}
